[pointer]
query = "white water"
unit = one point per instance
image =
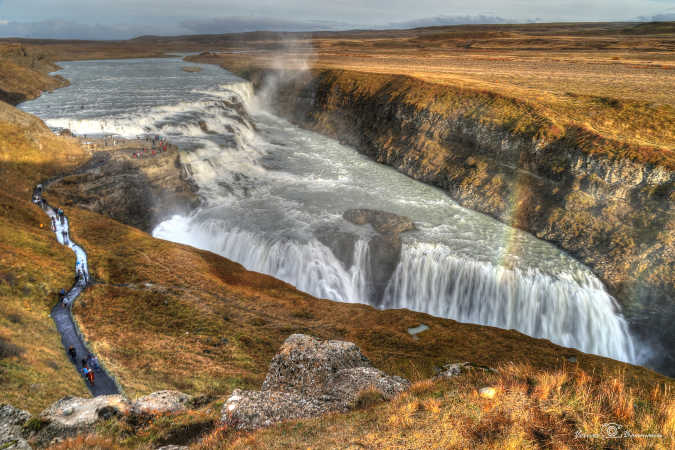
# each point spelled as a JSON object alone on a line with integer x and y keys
{"x": 270, "y": 188}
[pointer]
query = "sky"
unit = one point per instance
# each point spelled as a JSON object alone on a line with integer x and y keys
{"x": 122, "y": 19}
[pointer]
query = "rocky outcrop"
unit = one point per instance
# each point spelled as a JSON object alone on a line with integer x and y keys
{"x": 608, "y": 203}
{"x": 137, "y": 192}
{"x": 71, "y": 416}
{"x": 384, "y": 246}
{"x": 12, "y": 421}
{"x": 308, "y": 378}
{"x": 162, "y": 402}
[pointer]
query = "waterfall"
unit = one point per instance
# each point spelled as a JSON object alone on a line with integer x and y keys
{"x": 569, "y": 312}
{"x": 309, "y": 266}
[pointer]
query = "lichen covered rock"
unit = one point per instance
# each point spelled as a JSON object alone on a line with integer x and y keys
{"x": 308, "y": 378}
{"x": 12, "y": 421}
{"x": 162, "y": 402}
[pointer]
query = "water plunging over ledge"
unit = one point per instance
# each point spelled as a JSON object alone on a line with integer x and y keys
{"x": 271, "y": 191}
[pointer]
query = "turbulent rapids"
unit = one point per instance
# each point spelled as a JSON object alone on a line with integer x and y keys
{"x": 275, "y": 195}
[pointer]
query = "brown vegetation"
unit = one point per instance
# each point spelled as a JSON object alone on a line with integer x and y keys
{"x": 615, "y": 81}
{"x": 532, "y": 409}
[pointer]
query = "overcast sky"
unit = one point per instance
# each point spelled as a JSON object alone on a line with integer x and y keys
{"x": 116, "y": 19}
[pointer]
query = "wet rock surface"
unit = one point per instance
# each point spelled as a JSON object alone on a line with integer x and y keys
{"x": 385, "y": 247}
{"x": 308, "y": 378}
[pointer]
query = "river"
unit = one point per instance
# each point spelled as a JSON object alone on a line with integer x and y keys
{"x": 273, "y": 192}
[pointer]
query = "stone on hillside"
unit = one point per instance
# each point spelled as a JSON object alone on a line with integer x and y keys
{"x": 162, "y": 402}
{"x": 248, "y": 410}
{"x": 487, "y": 392}
{"x": 454, "y": 369}
{"x": 305, "y": 364}
{"x": 308, "y": 378}
{"x": 74, "y": 415}
{"x": 11, "y": 428}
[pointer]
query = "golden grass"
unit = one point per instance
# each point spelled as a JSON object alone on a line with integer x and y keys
{"x": 532, "y": 409}
{"x": 32, "y": 270}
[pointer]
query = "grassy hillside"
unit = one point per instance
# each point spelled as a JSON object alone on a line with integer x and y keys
{"x": 34, "y": 370}
{"x": 24, "y": 75}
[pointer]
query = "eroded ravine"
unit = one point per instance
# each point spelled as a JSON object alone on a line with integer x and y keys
{"x": 276, "y": 198}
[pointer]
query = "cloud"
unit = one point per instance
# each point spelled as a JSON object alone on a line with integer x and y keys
{"x": 244, "y": 24}
{"x": 443, "y": 20}
{"x": 665, "y": 17}
{"x": 65, "y": 29}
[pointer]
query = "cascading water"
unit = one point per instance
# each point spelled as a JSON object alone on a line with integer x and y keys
{"x": 271, "y": 190}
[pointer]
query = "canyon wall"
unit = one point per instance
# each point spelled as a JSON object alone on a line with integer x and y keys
{"x": 607, "y": 203}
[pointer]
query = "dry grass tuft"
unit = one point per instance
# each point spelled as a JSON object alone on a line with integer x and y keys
{"x": 563, "y": 408}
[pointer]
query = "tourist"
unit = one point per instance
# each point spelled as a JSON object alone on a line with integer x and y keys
{"x": 72, "y": 352}
{"x": 53, "y": 223}
{"x": 64, "y": 233}
{"x": 87, "y": 372}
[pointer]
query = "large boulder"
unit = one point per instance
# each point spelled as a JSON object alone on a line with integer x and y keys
{"x": 308, "y": 378}
{"x": 247, "y": 410}
{"x": 71, "y": 416}
{"x": 162, "y": 402}
{"x": 306, "y": 365}
{"x": 12, "y": 421}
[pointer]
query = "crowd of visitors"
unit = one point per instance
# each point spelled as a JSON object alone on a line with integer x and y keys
{"x": 157, "y": 145}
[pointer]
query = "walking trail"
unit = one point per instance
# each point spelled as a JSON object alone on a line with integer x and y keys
{"x": 104, "y": 384}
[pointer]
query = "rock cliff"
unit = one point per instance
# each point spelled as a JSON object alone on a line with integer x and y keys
{"x": 137, "y": 192}
{"x": 607, "y": 203}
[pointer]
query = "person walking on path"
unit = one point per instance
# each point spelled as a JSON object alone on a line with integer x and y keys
{"x": 64, "y": 233}
{"x": 87, "y": 372}
{"x": 92, "y": 363}
{"x": 72, "y": 352}
{"x": 53, "y": 223}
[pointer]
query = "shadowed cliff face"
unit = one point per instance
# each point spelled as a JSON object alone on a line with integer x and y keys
{"x": 569, "y": 187}
{"x": 384, "y": 246}
{"x": 138, "y": 192}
